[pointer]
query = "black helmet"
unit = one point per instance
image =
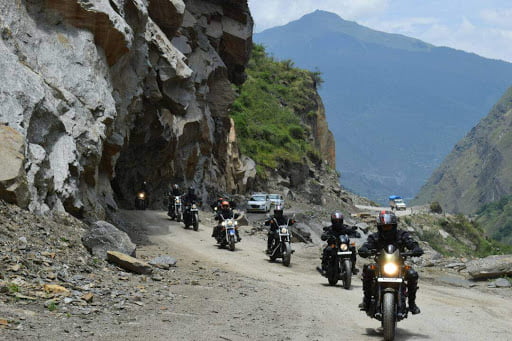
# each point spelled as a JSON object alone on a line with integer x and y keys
{"x": 278, "y": 211}
{"x": 337, "y": 221}
{"x": 191, "y": 190}
{"x": 387, "y": 225}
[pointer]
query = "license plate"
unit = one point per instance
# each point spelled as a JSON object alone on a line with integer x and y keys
{"x": 389, "y": 280}
{"x": 341, "y": 253}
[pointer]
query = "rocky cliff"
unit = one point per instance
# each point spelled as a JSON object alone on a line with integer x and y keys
{"x": 479, "y": 168}
{"x": 98, "y": 96}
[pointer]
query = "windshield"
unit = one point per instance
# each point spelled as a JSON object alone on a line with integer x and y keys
{"x": 258, "y": 198}
{"x": 274, "y": 196}
{"x": 399, "y": 201}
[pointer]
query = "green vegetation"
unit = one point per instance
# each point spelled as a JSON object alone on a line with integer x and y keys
{"x": 455, "y": 235}
{"x": 13, "y": 288}
{"x": 52, "y": 306}
{"x": 496, "y": 219}
{"x": 271, "y": 110}
{"x": 435, "y": 207}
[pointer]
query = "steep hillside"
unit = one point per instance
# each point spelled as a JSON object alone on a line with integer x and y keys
{"x": 496, "y": 219}
{"x": 396, "y": 105}
{"x": 100, "y": 96}
{"x": 280, "y": 122}
{"x": 479, "y": 168}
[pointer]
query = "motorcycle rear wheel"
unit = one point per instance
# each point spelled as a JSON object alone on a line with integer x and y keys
{"x": 178, "y": 218}
{"x": 287, "y": 254}
{"x": 347, "y": 279}
{"x": 389, "y": 316}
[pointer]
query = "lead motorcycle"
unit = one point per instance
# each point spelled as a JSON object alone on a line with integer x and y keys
{"x": 191, "y": 215}
{"x": 339, "y": 264}
{"x": 141, "y": 200}
{"x": 280, "y": 246}
{"x": 389, "y": 289}
{"x": 174, "y": 209}
{"x": 227, "y": 231}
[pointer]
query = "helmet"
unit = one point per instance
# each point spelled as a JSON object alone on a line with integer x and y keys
{"x": 337, "y": 221}
{"x": 387, "y": 225}
{"x": 278, "y": 211}
{"x": 191, "y": 190}
{"x": 175, "y": 186}
{"x": 224, "y": 205}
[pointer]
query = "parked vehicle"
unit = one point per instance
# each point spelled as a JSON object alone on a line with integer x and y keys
{"x": 340, "y": 261}
{"x": 388, "y": 299}
{"x": 276, "y": 200}
{"x": 174, "y": 209}
{"x": 141, "y": 200}
{"x": 191, "y": 215}
{"x": 397, "y": 203}
{"x": 227, "y": 234}
{"x": 281, "y": 244}
{"x": 259, "y": 202}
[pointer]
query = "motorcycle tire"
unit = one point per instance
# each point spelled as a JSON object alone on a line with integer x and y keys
{"x": 196, "y": 226}
{"x": 231, "y": 243}
{"x": 287, "y": 254}
{"x": 333, "y": 273}
{"x": 347, "y": 279}
{"x": 273, "y": 253}
{"x": 178, "y": 218}
{"x": 388, "y": 316}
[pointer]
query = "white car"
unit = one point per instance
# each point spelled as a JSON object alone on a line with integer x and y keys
{"x": 259, "y": 202}
{"x": 276, "y": 199}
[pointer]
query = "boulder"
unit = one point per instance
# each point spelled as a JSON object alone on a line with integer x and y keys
{"x": 129, "y": 263}
{"x": 490, "y": 267}
{"x": 13, "y": 181}
{"x": 502, "y": 283}
{"x": 103, "y": 237}
{"x": 163, "y": 262}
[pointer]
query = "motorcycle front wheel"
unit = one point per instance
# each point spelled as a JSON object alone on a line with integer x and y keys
{"x": 196, "y": 224}
{"x": 333, "y": 273}
{"x": 273, "y": 252}
{"x": 178, "y": 217}
{"x": 287, "y": 254}
{"x": 347, "y": 279}
{"x": 389, "y": 316}
{"x": 231, "y": 243}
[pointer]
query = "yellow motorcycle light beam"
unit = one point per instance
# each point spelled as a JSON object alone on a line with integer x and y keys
{"x": 390, "y": 269}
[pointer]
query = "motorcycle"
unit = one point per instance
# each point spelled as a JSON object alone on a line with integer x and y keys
{"x": 340, "y": 261}
{"x": 389, "y": 289}
{"x": 174, "y": 209}
{"x": 141, "y": 200}
{"x": 226, "y": 232}
{"x": 280, "y": 246}
{"x": 191, "y": 215}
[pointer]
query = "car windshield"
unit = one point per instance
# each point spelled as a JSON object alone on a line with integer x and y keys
{"x": 399, "y": 201}
{"x": 258, "y": 198}
{"x": 274, "y": 196}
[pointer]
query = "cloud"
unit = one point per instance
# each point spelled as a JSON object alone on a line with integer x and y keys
{"x": 270, "y": 13}
{"x": 501, "y": 18}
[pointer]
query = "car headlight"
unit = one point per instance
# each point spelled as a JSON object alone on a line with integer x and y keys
{"x": 344, "y": 247}
{"x": 284, "y": 230}
{"x": 390, "y": 269}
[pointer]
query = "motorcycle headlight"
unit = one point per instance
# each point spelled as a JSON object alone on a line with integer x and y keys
{"x": 194, "y": 206}
{"x": 223, "y": 223}
{"x": 177, "y": 201}
{"x": 284, "y": 230}
{"x": 142, "y": 195}
{"x": 344, "y": 247}
{"x": 390, "y": 269}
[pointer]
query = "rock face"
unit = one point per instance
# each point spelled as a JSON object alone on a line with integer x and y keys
{"x": 13, "y": 180}
{"x": 107, "y": 94}
{"x": 103, "y": 237}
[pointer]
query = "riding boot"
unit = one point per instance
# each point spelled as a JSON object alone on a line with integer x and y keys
{"x": 269, "y": 244}
{"x": 413, "y": 308}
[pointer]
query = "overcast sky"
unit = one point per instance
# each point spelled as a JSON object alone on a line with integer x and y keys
{"x": 480, "y": 26}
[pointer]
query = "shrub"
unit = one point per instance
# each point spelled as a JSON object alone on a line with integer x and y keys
{"x": 435, "y": 207}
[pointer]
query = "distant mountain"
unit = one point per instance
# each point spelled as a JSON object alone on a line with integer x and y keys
{"x": 396, "y": 105}
{"x": 478, "y": 171}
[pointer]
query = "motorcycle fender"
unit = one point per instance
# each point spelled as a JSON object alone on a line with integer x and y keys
{"x": 393, "y": 290}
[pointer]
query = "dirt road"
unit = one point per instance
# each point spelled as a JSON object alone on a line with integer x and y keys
{"x": 270, "y": 301}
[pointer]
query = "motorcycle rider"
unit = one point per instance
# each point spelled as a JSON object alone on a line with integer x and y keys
{"x": 332, "y": 233}
{"x": 274, "y": 221}
{"x": 173, "y": 192}
{"x": 388, "y": 233}
{"x": 190, "y": 197}
{"x": 225, "y": 212}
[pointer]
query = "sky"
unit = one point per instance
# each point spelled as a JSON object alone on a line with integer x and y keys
{"x": 483, "y": 27}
